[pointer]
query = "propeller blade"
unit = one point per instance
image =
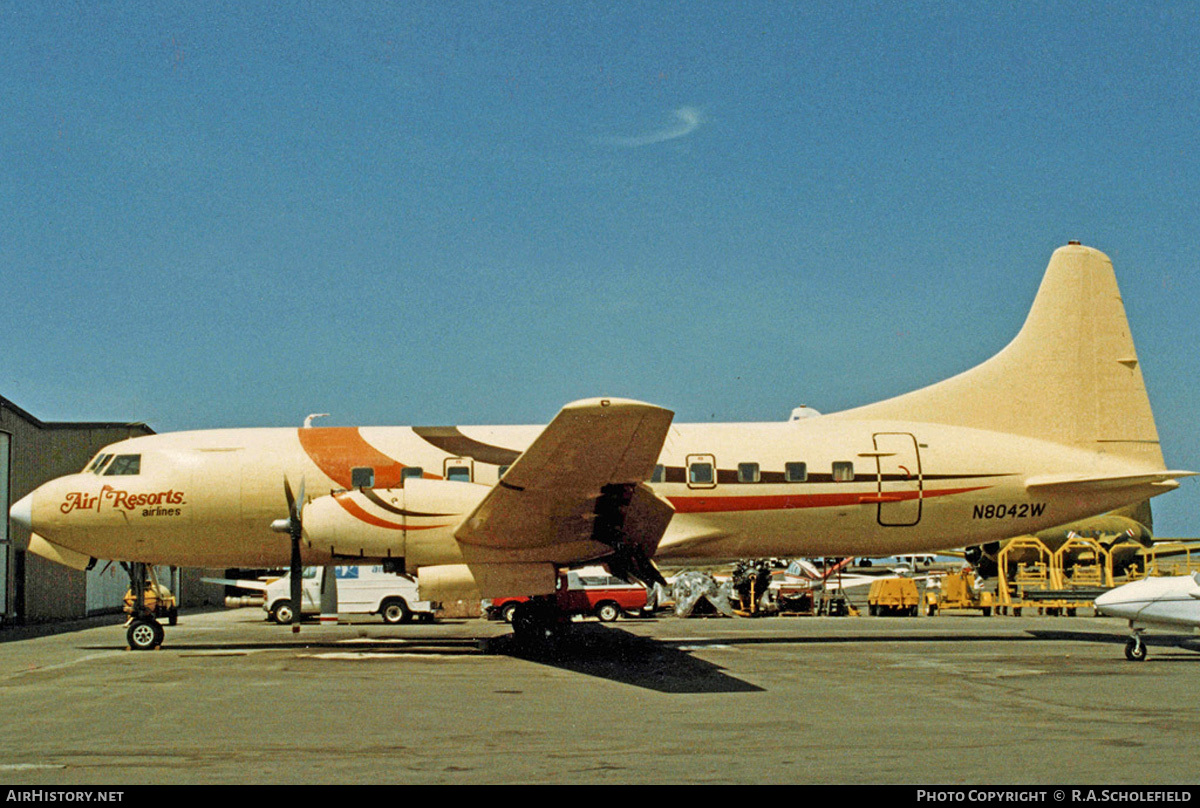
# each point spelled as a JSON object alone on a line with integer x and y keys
{"x": 297, "y": 573}
{"x": 296, "y": 531}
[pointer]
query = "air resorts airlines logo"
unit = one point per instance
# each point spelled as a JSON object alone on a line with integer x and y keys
{"x": 157, "y": 503}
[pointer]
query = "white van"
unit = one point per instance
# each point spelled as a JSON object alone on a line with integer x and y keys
{"x": 361, "y": 590}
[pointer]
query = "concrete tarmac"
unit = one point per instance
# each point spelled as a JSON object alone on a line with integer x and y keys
{"x": 952, "y": 699}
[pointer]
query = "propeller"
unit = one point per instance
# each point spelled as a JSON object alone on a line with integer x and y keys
{"x": 295, "y": 529}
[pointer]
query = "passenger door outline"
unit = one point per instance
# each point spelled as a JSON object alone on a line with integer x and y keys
{"x": 901, "y": 485}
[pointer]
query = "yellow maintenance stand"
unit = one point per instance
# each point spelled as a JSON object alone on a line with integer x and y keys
{"x": 1046, "y": 584}
{"x": 1179, "y": 561}
{"x": 957, "y": 593}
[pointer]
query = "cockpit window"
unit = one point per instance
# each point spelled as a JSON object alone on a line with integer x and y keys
{"x": 97, "y": 463}
{"x": 124, "y": 465}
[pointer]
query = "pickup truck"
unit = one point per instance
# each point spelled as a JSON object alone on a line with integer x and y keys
{"x": 587, "y": 591}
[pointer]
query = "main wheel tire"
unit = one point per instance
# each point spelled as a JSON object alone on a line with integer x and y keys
{"x": 395, "y": 612}
{"x": 535, "y": 623}
{"x": 144, "y": 635}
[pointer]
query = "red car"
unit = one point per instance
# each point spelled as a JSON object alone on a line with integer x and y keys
{"x": 586, "y": 591}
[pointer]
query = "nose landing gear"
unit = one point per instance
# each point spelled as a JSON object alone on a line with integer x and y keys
{"x": 145, "y": 602}
{"x": 1135, "y": 649}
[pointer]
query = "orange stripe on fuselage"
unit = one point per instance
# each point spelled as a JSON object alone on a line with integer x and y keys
{"x": 698, "y": 503}
{"x": 358, "y": 513}
{"x": 336, "y": 450}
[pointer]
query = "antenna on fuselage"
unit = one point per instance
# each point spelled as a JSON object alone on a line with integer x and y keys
{"x": 308, "y": 421}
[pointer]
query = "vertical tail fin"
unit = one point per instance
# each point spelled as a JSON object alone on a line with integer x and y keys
{"x": 1070, "y": 376}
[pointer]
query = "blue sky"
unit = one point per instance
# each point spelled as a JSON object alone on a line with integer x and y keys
{"x": 237, "y": 214}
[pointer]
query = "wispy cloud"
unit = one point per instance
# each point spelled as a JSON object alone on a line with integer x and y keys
{"x": 686, "y": 121}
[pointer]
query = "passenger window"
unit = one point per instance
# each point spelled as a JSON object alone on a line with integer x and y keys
{"x": 411, "y": 471}
{"x": 660, "y": 474}
{"x": 500, "y": 472}
{"x": 795, "y": 472}
{"x": 459, "y": 474}
{"x": 843, "y": 472}
{"x": 701, "y": 473}
{"x": 362, "y": 477}
{"x": 748, "y": 473}
{"x": 124, "y": 466}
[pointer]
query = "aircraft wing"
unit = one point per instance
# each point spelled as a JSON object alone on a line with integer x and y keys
{"x": 578, "y": 490}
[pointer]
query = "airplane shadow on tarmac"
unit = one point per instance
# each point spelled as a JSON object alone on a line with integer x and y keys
{"x": 618, "y": 656}
{"x": 1183, "y": 642}
{"x": 591, "y": 650}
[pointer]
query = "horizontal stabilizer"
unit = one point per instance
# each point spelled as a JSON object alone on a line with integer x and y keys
{"x": 1059, "y": 483}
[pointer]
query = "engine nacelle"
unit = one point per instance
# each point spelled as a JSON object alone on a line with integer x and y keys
{"x": 458, "y": 586}
{"x": 416, "y": 522}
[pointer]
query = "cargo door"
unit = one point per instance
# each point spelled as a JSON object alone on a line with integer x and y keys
{"x": 900, "y": 483}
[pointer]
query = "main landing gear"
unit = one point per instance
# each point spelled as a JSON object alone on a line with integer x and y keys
{"x": 538, "y": 621}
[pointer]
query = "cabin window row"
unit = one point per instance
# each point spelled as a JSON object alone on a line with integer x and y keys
{"x": 364, "y": 476}
{"x": 704, "y": 473}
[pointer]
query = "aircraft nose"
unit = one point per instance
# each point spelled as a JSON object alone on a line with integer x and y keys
{"x": 21, "y": 512}
{"x": 1115, "y": 603}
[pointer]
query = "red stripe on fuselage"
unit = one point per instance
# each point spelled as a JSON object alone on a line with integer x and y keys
{"x": 701, "y": 503}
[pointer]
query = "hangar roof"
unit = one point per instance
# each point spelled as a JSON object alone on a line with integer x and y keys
{"x": 5, "y": 404}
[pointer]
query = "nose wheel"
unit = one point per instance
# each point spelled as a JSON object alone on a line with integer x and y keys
{"x": 1135, "y": 649}
{"x": 144, "y": 634}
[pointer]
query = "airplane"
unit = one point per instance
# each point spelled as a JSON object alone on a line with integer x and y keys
{"x": 1168, "y": 601}
{"x": 1055, "y": 427}
{"x": 1124, "y": 532}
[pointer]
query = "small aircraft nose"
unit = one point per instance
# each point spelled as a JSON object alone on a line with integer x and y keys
{"x": 1116, "y": 603}
{"x": 21, "y": 512}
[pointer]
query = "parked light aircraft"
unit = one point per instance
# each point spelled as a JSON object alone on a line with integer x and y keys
{"x": 1168, "y": 601}
{"x": 1054, "y": 428}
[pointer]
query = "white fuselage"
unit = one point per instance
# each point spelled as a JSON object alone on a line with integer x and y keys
{"x": 814, "y": 487}
{"x": 1171, "y": 601}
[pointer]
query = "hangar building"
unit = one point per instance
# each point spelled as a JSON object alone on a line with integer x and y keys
{"x": 33, "y": 589}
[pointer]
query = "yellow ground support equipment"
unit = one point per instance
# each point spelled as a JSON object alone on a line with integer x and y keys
{"x": 958, "y": 592}
{"x": 1045, "y": 584}
{"x": 1178, "y": 562}
{"x": 157, "y": 600}
{"x": 895, "y": 596}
